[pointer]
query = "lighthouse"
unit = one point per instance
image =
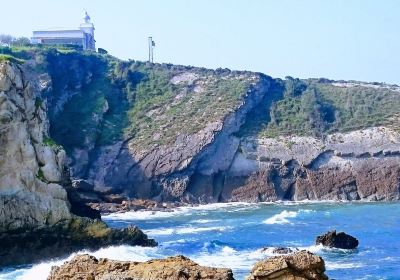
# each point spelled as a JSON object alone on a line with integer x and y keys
{"x": 83, "y": 37}
{"x": 88, "y": 28}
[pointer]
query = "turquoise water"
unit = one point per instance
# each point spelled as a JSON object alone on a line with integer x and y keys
{"x": 233, "y": 235}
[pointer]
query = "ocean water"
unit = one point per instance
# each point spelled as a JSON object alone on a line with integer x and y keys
{"x": 234, "y": 235}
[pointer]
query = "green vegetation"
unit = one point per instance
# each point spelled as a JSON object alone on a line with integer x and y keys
{"x": 40, "y": 175}
{"x": 161, "y": 110}
{"x": 38, "y": 102}
{"x": 10, "y": 58}
{"x": 320, "y": 108}
{"x": 47, "y": 141}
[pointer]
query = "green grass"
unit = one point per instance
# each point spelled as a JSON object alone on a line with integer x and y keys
{"x": 161, "y": 110}
{"x": 10, "y": 58}
{"x": 40, "y": 175}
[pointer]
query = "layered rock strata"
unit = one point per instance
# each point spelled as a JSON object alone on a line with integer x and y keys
{"x": 359, "y": 165}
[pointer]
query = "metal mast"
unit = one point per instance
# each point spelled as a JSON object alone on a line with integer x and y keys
{"x": 152, "y": 44}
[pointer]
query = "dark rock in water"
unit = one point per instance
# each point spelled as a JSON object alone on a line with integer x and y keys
{"x": 82, "y": 185}
{"x": 300, "y": 265}
{"x": 172, "y": 268}
{"x": 282, "y": 250}
{"x": 80, "y": 233}
{"x": 279, "y": 250}
{"x": 337, "y": 240}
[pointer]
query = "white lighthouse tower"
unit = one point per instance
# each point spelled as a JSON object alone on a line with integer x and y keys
{"x": 88, "y": 28}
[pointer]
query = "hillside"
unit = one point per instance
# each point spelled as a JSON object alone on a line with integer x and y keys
{"x": 169, "y": 132}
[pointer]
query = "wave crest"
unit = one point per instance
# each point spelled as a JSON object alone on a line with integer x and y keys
{"x": 281, "y": 218}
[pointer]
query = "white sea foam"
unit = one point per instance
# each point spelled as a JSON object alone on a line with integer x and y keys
{"x": 146, "y": 215}
{"x": 179, "y": 211}
{"x": 122, "y": 253}
{"x": 284, "y": 216}
{"x": 184, "y": 230}
{"x": 341, "y": 265}
{"x": 203, "y": 209}
{"x": 226, "y": 256}
{"x": 281, "y": 218}
{"x": 316, "y": 249}
{"x": 159, "y": 231}
{"x": 203, "y": 221}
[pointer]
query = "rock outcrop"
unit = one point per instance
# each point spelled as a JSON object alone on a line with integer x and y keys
{"x": 339, "y": 240}
{"x": 31, "y": 166}
{"x": 37, "y": 220}
{"x": 172, "y": 268}
{"x": 302, "y": 265}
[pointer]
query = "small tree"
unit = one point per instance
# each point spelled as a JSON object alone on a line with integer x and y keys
{"x": 21, "y": 41}
{"x": 6, "y": 39}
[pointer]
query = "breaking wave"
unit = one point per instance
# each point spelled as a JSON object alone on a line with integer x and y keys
{"x": 281, "y": 218}
{"x": 184, "y": 230}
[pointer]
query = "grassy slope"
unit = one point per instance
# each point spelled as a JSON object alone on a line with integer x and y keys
{"x": 161, "y": 110}
{"x": 319, "y": 108}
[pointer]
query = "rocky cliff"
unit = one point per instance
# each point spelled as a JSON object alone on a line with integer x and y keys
{"x": 36, "y": 217}
{"x": 178, "y": 133}
{"x": 363, "y": 164}
{"x": 32, "y": 165}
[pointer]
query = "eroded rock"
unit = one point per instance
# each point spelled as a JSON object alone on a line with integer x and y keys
{"x": 302, "y": 265}
{"x": 172, "y": 268}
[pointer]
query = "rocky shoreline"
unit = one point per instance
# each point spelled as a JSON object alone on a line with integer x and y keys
{"x": 287, "y": 264}
{"x": 300, "y": 265}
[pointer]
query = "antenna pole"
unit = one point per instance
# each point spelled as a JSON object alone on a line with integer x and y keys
{"x": 151, "y": 48}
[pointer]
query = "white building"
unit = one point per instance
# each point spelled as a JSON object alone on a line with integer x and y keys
{"x": 84, "y": 36}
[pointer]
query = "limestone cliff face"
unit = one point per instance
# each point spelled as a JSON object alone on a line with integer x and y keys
{"x": 31, "y": 166}
{"x": 359, "y": 165}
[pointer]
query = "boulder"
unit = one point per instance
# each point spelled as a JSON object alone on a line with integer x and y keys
{"x": 172, "y": 268}
{"x": 337, "y": 240}
{"x": 302, "y": 265}
{"x": 279, "y": 250}
{"x": 282, "y": 250}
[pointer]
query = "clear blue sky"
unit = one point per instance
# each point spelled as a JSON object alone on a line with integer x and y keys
{"x": 339, "y": 39}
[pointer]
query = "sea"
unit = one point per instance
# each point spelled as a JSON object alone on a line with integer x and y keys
{"x": 237, "y": 235}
